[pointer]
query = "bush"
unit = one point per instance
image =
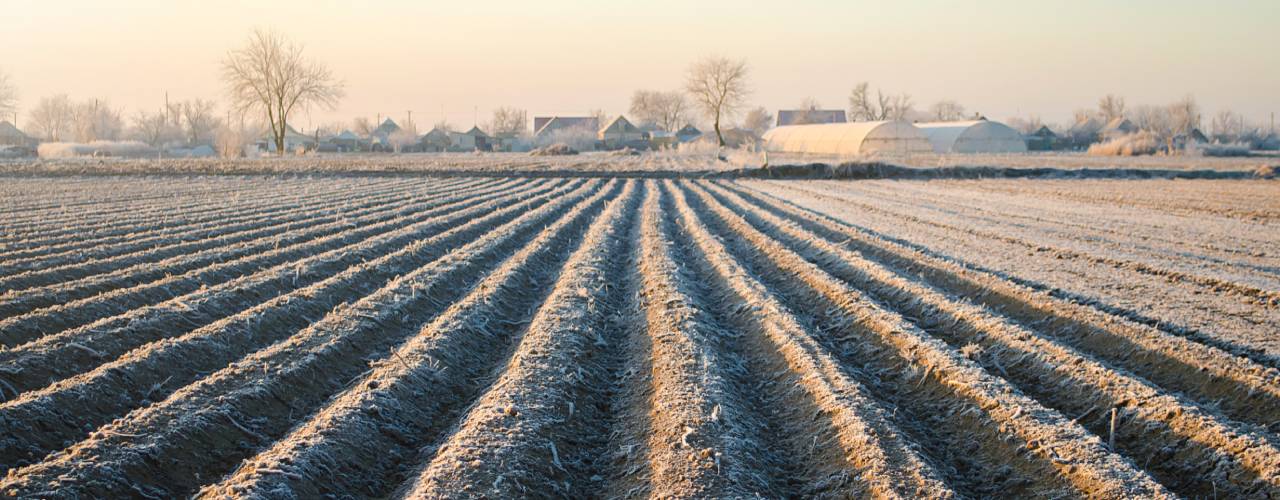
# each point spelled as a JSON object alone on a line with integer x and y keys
{"x": 122, "y": 149}
{"x": 559, "y": 149}
{"x": 1140, "y": 143}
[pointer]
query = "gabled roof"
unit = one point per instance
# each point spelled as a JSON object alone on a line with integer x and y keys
{"x": 386, "y": 128}
{"x": 1043, "y": 131}
{"x": 793, "y": 116}
{"x": 474, "y": 132}
{"x": 550, "y": 124}
{"x": 1086, "y": 127}
{"x": 1120, "y": 125}
{"x": 8, "y": 130}
{"x": 688, "y": 130}
{"x": 619, "y": 125}
{"x": 435, "y": 133}
{"x": 346, "y": 135}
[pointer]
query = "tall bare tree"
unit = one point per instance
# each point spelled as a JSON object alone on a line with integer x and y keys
{"x": 8, "y": 96}
{"x": 719, "y": 86}
{"x": 884, "y": 107}
{"x": 758, "y": 121}
{"x": 509, "y": 121}
{"x": 95, "y": 120}
{"x": 1227, "y": 126}
{"x": 269, "y": 75}
{"x": 946, "y": 111}
{"x": 51, "y": 118}
{"x": 1111, "y": 107}
{"x": 663, "y": 109}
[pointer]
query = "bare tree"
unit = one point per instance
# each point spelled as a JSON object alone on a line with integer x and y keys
{"x": 758, "y": 121}
{"x": 232, "y": 139}
{"x": 1227, "y": 126}
{"x": 270, "y": 75}
{"x": 719, "y": 86}
{"x": 1111, "y": 107}
{"x": 51, "y": 118}
{"x": 884, "y": 107}
{"x": 1184, "y": 116}
{"x": 151, "y": 128}
{"x": 198, "y": 121}
{"x": 947, "y": 111}
{"x": 509, "y": 121}
{"x": 1154, "y": 119}
{"x": 808, "y": 111}
{"x": 1026, "y": 125}
{"x": 602, "y": 118}
{"x": 663, "y": 109}
{"x": 1083, "y": 115}
{"x": 8, "y": 96}
{"x": 95, "y": 120}
{"x": 362, "y": 126}
{"x": 444, "y": 126}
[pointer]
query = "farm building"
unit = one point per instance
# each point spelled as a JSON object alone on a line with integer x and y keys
{"x": 620, "y": 132}
{"x": 978, "y": 136}
{"x": 1043, "y": 139}
{"x": 808, "y": 116}
{"x": 471, "y": 140}
{"x": 857, "y": 138}
{"x": 435, "y": 140}
{"x": 11, "y": 136}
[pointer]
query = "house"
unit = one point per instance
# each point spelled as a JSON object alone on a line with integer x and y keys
{"x": 435, "y": 141}
{"x": 545, "y": 126}
{"x": 1042, "y": 139}
{"x": 11, "y": 136}
{"x": 1117, "y": 127}
{"x": 659, "y": 139}
{"x": 345, "y": 142}
{"x": 805, "y": 116}
{"x": 1085, "y": 132}
{"x": 471, "y": 140}
{"x": 688, "y": 133}
{"x": 293, "y": 141}
{"x": 621, "y": 133}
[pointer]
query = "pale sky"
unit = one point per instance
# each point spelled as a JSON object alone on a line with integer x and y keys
{"x": 1003, "y": 58}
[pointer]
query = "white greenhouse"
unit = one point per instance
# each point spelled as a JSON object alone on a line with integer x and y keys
{"x": 979, "y": 136}
{"x": 857, "y": 138}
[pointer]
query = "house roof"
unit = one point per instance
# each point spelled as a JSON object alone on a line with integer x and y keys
{"x": 8, "y": 130}
{"x": 1120, "y": 124}
{"x": 347, "y": 135}
{"x": 475, "y": 132}
{"x": 688, "y": 130}
{"x": 387, "y": 127}
{"x": 544, "y": 124}
{"x": 793, "y": 116}
{"x": 619, "y": 125}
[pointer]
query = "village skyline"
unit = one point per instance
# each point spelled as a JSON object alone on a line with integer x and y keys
{"x": 1004, "y": 60}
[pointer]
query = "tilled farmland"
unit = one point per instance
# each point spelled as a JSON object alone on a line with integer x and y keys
{"x": 505, "y": 337}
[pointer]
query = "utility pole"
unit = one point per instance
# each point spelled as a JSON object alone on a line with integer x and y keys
{"x": 409, "y": 121}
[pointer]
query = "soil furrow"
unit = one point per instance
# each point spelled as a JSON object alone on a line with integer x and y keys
{"x": 837, "y": 439}
{"x": 677, "y": 398}
{"x": 1186, "y": 448}
{"x": 70, "y": 408}
{"x": 540, "y": 428}
{"x": 366, "y": 438}
{"x": 1240, "y": 386}
{"x": 54, "y": 308}
{"x": 68, "y": 352}
{"x": 995, "y": 435}
{"x": 84, "y": 245}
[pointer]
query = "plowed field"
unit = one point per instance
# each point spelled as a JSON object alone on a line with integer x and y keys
{"x": 603, "y": 337}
